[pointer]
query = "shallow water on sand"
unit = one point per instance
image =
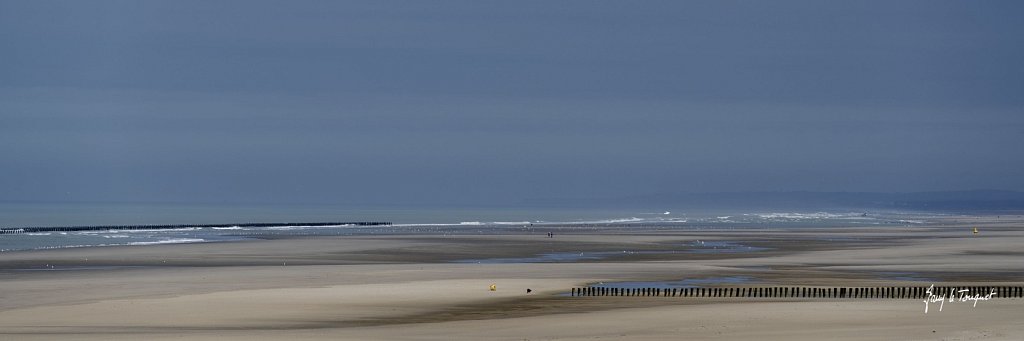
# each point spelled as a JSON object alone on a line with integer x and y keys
{"x": 683, "y": 283}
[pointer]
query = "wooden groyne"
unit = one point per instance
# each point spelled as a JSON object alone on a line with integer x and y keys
{"x": 181, "y": 226}
{"x": 806, "y": 292}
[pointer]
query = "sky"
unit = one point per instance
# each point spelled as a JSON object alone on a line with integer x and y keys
{"x": 494, "y": 102}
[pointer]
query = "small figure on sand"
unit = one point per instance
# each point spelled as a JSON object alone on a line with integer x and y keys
{"x": 528, "y": 290}
{"x": 551, "y": 234}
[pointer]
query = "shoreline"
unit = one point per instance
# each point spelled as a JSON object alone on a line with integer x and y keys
{"x": 410, "y": 287}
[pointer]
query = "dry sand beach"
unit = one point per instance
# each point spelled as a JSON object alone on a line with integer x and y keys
{"x": 436, "y": 287}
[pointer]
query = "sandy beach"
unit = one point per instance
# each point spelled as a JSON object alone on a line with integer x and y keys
{"x": 436, "y": 287}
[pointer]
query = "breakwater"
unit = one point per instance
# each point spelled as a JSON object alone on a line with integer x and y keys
{"x": 918, "y": 292}
{"x": 17, "y": 230}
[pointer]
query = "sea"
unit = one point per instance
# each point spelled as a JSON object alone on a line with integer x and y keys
{"x": 432, "y": 220}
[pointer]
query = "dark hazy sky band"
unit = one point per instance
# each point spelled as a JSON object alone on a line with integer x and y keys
{"x": 476, "y": 102}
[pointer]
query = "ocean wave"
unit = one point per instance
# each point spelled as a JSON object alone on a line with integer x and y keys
{"x": 293, "y": 227}
{"x": 422, "y": 224}
{"x": 93, "y": 232}
{"x": 73, "y": 246}
{"x": 807, "y": 216}
{"x": 539, "y": 222}
{"x": 169, "y": 241}
{"x": 611, "y": 221}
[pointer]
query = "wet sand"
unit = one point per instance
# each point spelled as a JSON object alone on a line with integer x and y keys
{"x": 436, "y": 286}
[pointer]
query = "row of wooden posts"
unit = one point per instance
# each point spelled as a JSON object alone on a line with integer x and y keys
{"x": 807, "y": 292}
{"x": 20, "y": 230}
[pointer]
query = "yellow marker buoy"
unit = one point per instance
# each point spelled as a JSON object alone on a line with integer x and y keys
{"x": 494, "y": 287}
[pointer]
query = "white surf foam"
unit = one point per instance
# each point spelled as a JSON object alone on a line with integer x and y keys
{"x": 170, "y": 241}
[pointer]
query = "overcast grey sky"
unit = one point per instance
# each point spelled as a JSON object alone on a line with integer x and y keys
{"x": 455, "y": 102}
